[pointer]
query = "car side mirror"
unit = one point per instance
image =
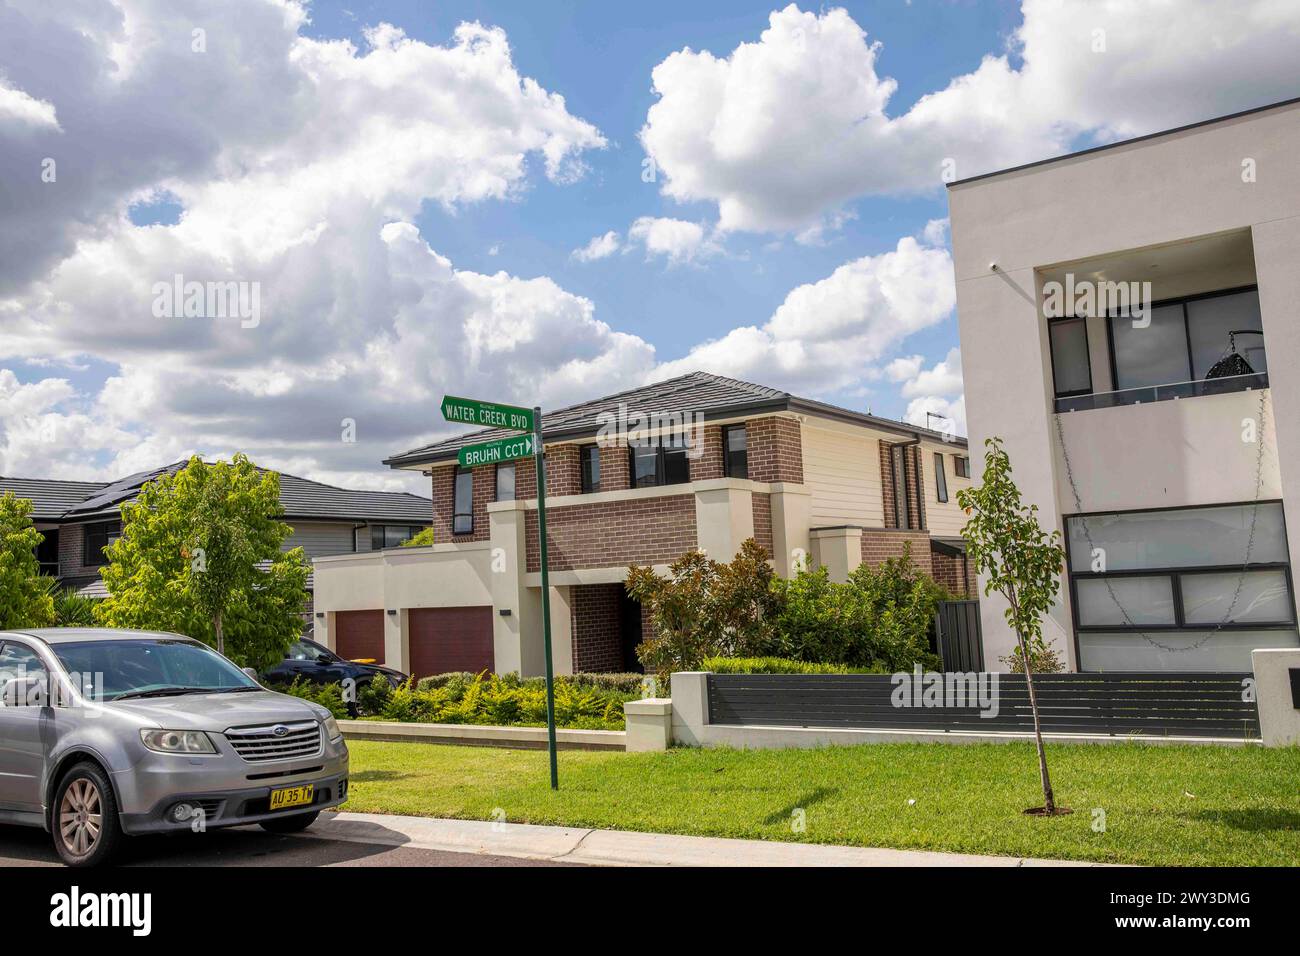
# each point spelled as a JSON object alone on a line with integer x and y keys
{"x": 324, "y": 661}
{"x": 249, "y": 672}
{"x": 23, "y": 692}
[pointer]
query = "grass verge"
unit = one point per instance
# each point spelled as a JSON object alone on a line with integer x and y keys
{"x": 1133, "y": 803}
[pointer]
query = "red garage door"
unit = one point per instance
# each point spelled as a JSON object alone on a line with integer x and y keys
{"x": 450, "y": 639}
{"x": 359, "y": 634}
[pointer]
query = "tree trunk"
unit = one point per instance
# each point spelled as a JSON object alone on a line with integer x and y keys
{"x": 221, "y": 640}
{"x": 1049, "y": 801}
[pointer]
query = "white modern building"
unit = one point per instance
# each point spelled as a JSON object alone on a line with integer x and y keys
{"x": 1160, "y": 440}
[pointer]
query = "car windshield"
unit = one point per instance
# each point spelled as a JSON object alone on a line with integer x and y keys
{"x": 111, "y": 669}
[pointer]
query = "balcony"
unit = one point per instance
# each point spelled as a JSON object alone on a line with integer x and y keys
{"x": 1163, "y": 393}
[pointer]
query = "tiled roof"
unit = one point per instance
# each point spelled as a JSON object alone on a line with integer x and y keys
{"x": 300, "y": 498}
{"x": 50, "y": 497}
{"x": 714, "y": 396}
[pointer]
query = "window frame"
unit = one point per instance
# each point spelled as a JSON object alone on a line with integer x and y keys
{"x": 660, "y": 465}
{"x": 1087, "y": 352}
{"x": 1187, "y": 332}
{"x": 961, "y": 466}
{"x": 589, "y": 484}
{"x": 456, "y": 513}
{"x": 1175, "y": 574}
{"x": 940, "y": 479}
{"x": 727, "y": 430}
{"x": 496, "y": 480}
{"x": 90, "y": 556}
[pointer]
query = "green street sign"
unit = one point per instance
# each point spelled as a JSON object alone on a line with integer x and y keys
{"x": 491, "y": 452}
{"x": 470, "y": 411}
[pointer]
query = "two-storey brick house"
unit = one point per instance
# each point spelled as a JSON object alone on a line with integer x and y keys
{"x": 640, "y": 477}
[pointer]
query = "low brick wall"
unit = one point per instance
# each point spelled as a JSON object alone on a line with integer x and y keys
{"x": 604, "y": 534}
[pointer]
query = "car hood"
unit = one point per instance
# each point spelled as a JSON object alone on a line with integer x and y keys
{"x": 217, "y": 712}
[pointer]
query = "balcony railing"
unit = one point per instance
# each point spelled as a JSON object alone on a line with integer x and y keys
{"x": 1163, "y": 393}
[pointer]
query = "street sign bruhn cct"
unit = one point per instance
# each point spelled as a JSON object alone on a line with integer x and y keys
{"x": 469, "y": 411}
{"x": 491, "y": 452}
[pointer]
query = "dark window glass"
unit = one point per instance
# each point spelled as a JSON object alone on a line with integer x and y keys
{"x": 506, "y": 481}
{"x": 1155, "y": 355}
{"x": 98, "y": 537}
{"x": 47, "y": 552}
{"x": 590, "y": 464}
{"x": 900, "y": 489}
{"x": 961, "y": 466}
{"x": 463, "y": 502}
{"x": 735, "y": 451}
{"x": 645, "y": 465}
{"x": 376, "y": 537}
{"x": 1210, "y": 320}
{"x": 676, "y": 469}
{"x": 940, "y": 479}
{"x": 1070, "y": 356}
{"x": 395, "y": 535}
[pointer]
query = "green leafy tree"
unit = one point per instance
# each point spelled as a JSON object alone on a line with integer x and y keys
{"x": 24, "y": 594}
{"x": 1020, "y": 562}
{"x": 705, "y": 609}
{"x": 200, "y": 554}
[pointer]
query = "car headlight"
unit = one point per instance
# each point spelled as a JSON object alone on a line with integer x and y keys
{"x": 177, "y": 741}
{"x": 331, "y": 728}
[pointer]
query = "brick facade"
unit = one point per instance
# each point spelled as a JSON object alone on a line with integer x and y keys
{"x": 957, "y": 574}
{"x": 615, "y": 468}
{"x": 443, "y": 482}
{"x": 596, "y": 617}
{"x": 879, "y": 544}
{"x": 913, "y": 480}
{"x": 709, "y": 463}
{"x": 775, "y": 449}
{"x": 654, "y": 530}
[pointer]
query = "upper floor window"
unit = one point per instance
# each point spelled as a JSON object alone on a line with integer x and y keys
{"x": 735, "y": 451}
{"x": 1197, "y": 345}
{"x": 660, "y": 461}
{"x": 589, "y": 463}
{"x": 99, "y": 536}
{"x": 391, "y": 535}
{"x": 462, "y": 521}
{"x": 940, "y": 478}
{"x": 505, "y": 490}
{"x": 961, "y": 466}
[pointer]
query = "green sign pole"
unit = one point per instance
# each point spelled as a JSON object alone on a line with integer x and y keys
{"x": 540, "y": 458}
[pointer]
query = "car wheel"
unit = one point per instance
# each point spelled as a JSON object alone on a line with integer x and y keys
{"x": 299, "y": 821}
{"x": 85, "y": 825}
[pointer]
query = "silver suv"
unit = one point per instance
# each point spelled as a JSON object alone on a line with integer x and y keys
{"x": 112, "y": 732}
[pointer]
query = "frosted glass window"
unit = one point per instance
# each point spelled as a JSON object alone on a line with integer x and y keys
{"x": 1137, "y": 540}
{"x": 1148, "y": 601}
{"x": 1225, "y": 651}
{"x": 1264, "y": 597}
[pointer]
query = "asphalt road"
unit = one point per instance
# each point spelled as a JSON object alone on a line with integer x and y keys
{"x": 247, "y": 846}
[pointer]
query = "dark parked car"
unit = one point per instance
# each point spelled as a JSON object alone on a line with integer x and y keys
{"x": 317, "y": 663}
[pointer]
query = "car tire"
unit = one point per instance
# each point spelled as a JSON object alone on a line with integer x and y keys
{"x": 83, "y": 818}
{"x": 292, "y": 824}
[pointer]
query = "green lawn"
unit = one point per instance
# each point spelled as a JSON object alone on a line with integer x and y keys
{"x": 1163, "y": 805}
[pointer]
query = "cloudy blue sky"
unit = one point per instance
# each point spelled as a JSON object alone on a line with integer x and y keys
{"x": 529, "y": 201}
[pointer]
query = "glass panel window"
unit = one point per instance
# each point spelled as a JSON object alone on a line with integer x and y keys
{"x": 1154, "y": 355}
{"x": 1215, "y": 536}
{"x": 505, "y": 481}
{"x": 645, "y": 465}
{"x": 961, "y": 466}
{"x": 590, "y": 464}
{"x": 463, "y": 502}
{"x": 47, "y": 552}
{"x": 395, "y": 535}
{"x": 940, "y": 479}
{"x": 98, "y": 537}
{"x": 1224, "y": 651}
{"x": 1210, "y": 320}
{"x": 676, "y": 464}
{"x": 1070, "y": 356}
{"x": 1209, "y": 598}
{"x": 735, "y": 451}
{"x": 1147, "y": 601}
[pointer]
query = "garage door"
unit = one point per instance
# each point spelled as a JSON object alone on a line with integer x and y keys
{"x": 450, "y": 639}
{"x": 359, "y": 634}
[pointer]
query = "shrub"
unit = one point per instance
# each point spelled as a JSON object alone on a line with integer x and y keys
{"x": 373, "y": 696}
{"x": 781, "y": 665}
{"x": 1044, "y": 660}
{"x": 329, "y": 696}
{"x": 705, "y": 609}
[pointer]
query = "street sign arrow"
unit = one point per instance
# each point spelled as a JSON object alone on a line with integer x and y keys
{"x": 470, "y": 411}
{"x": 491, "y": 452}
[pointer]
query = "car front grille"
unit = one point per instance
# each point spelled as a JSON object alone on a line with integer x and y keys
{"x": 263, "y": 744}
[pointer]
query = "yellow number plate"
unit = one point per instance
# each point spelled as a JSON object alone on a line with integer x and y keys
{"x": 292, "y": 797}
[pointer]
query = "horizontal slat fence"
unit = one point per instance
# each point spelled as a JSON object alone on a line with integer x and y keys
{"x": 1173, "y": 704}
